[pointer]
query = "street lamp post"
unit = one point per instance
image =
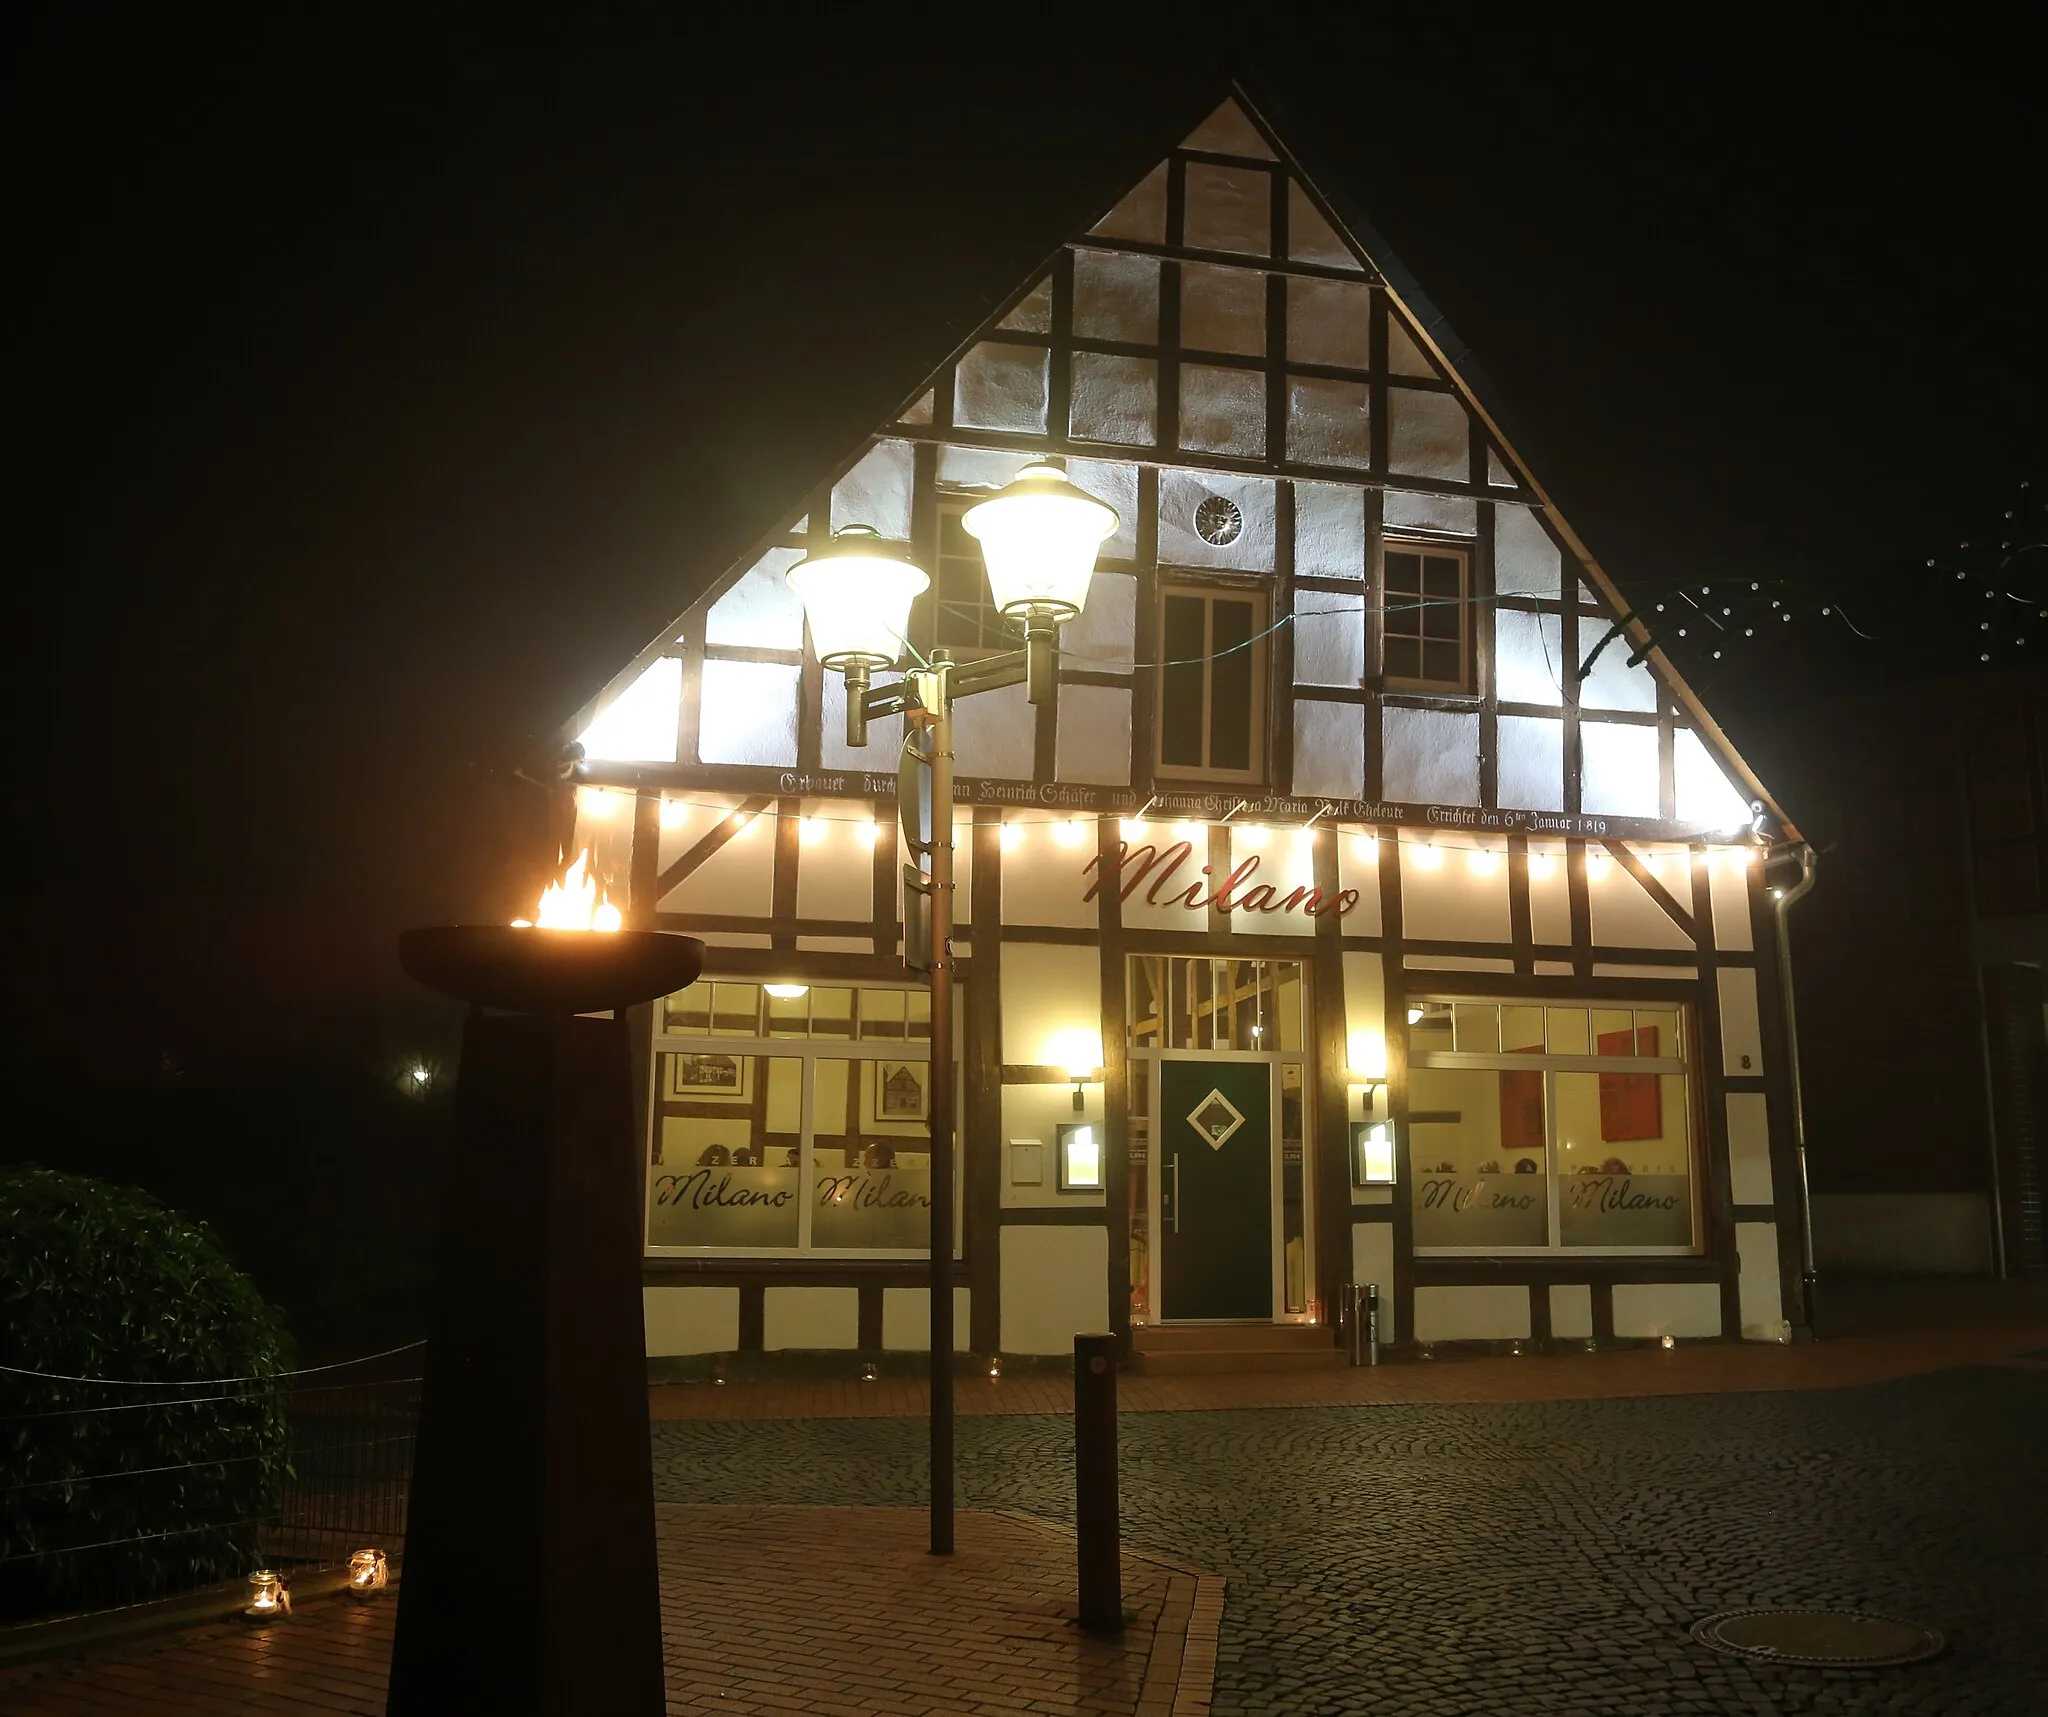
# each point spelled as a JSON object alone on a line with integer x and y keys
{"x": 1039, "y": 536}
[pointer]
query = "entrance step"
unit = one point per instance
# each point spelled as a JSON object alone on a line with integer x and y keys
{"x": 1184, "y": 1350}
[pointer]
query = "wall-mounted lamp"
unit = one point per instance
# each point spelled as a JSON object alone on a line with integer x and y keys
{"x": 1080, "y": 1053}
{"x": 1080, "y": 1153}
{"x": 1372, "y": 1153}
{"x": 1368, "y": 1069}
{"x": 787, "y": 992}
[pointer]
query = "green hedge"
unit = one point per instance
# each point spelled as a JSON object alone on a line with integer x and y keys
{"x": 111, "y": 1494}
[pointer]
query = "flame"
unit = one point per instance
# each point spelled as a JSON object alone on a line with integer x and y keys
{"x": 574, "y": 903}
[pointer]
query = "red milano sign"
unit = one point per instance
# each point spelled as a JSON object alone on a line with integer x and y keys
{"x": 1157, "y": 870}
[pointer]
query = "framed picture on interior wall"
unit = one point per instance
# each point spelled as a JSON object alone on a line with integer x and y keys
{"x": 1631, "y": 1104}
{"x": 899, "y": 1092}
{"x": 709, "y": 1077}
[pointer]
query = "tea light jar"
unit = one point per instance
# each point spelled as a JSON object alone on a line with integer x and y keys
{"x": 367, "y": 1574}
{"x": 268, "y": 1597}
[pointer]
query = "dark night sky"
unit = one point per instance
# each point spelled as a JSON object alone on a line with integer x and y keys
{"x": 380, "y": 388}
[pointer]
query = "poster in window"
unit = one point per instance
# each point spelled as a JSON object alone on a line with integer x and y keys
{"x": 711, "y": 1077}
{"x": 898, "y": 1093}
{"x": 1631, "y": 1104}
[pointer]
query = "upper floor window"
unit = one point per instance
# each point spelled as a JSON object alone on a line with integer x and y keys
{"x": 1425, "y": 619}
{"x": 1212, "y": 688}
{"x": 959, "y": 613}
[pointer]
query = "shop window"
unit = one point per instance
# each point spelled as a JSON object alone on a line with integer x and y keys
{"x": 1212, "y": 687}
{"x": 791, "y": 1124}
{"x": 1425, "y": 619}
{"x": 1550, "y": 1127}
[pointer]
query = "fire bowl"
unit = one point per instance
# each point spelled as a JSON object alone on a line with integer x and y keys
{"x": 532, "y": 971}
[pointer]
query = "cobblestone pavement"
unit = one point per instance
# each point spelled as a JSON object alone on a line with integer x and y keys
{"x": 1527, "y": 1557}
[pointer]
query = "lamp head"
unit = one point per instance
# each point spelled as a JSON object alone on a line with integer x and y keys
{"x": 1039, "y": 535}
{"x": 857, "y": 588}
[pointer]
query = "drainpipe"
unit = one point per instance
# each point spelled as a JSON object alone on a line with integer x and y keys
{"x": 1782, "y": 902}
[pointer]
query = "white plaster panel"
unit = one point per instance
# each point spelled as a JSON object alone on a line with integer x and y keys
{"x": 1286, "y": 861}
{"x": 1105, "y": 634}
{"x": 1329, "y": 638}
{"x": 1450, "y": 901}
{"x": 1457, "y": 963}
{"x": 684, "y": 822}
{"x": 835, "y": 866}
{"x": 1055, "y": 1286}
{"x": 1329, "y": 530}
{"x": 810, "y": 1318}
{"x": 733, "y": 939}
{"x": 1706, "y": 796}
{"x": 1404, "y": 507}
{"x": 994, "y": 733}
{"x": 1094, "y": 735}
{"x": 1001, "y": 387}
{"x": 760, "y": 610}
{"x": 1037, "y": 1112}
{"x": 1358, "y": 869}
{"x": 907, "y": 1319}
{"x": 1759, "y": 1295}
{"x": 1525, "y": 560}
{"x": 1622, "y": 969}
{"x": 1311, "y": 238}
{"x": 1493, "y": 1311}
{"x": 1428, "y": 435}
{"x": 1365, "y": 1012}
{"x": 1749, "y": 1148}
{"x": 1528, "y": 657}
{"x": 885, "y": 737}
{"x": 690, "y": 1320}
{"x": 877, "y": 490}
{"x": 1667, "y": 1308}
{"x": 1940, "y": 1233}
{"x": 1222, "y": 309}
{"x": 1140, "y": 213}
{"x": 1045, "y": 875}
{"x": 1169, "y": 878}
{"x": 1613, "y": 684}
{"x": 1329, "y": 322}
{"x": 1728, "y": 887}
{"x": 1051, "y": 993}
{"x": 1742, "y": 1044}
{"x": 1329, "y": 749}
{"x": 1405, "y": 356}
{"x": 1116, "y": 485}
{"x": 918, "y": 410}
{"x": 1553, "y": 968}
{"x": 639, "y": 725}
{"x": 1372, "y": 1261}
{"x": 737, "y": 880}
{"x": 748, "y": 713}
{"x": 1620, "y": 770}
{"x": 1497, "y": 473}
{"x": 1571, "y": 1311}
{"x": 979, "y": 467}
{"x": 1228, "y": 131}
{"x": 1033, "y": 314}
{"x": 1328, "y": 422}
{"x": 1623, "y": 914}
{"x": 1550, "y": 909}
{"x": 1116, "y": 297}
{"x": 1228, "y": 208}
{"x": 1181, "y": 492}
{"x": 834, "y": 944}
{"x": 1222, "y": 410}
{"x": 1530, "y": 763}
{"x": 1431, "y": 756}
{"x": 1114, "y": 399}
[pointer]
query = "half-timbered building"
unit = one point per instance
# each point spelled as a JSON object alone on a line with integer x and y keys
{"x": 1346, "y": 918}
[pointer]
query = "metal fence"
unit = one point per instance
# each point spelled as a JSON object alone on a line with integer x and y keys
{"x": 117, "y": 1492}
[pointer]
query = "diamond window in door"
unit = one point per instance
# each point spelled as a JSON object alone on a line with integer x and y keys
{"x": 1216, "y": 1118}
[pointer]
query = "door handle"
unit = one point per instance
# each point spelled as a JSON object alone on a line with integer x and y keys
{"x": 1176, "y": 1192}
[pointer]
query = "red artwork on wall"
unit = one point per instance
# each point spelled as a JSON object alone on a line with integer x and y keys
{"x": 1631, "y": 1104}
{"x": 1521, "y": 1109}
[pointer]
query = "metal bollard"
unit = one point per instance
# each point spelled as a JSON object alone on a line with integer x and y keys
{"x": 1351, "y": 1310}
{"x": 1098, "y": 1543}
{"x": 1372, "y": 1323}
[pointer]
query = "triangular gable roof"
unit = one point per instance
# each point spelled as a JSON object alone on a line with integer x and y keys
{"x": 1327, "y": 232}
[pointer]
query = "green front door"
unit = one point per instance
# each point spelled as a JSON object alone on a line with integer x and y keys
{"x": 1216, "y": 1188}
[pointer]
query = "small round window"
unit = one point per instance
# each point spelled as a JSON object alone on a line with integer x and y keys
{"x": 1218, "y": 522}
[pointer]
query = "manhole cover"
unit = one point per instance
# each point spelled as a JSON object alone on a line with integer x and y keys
{"x": 1827, "y": 1639}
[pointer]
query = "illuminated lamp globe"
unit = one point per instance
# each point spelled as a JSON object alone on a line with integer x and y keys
{"x": 857, "y": 589}
{"x": 1039, "y": 536}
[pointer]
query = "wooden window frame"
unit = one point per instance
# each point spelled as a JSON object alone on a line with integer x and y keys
{"x": 956, "y": 502}
{"x": 1460, "y": 548}
{"x": 1173, "y": 582}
